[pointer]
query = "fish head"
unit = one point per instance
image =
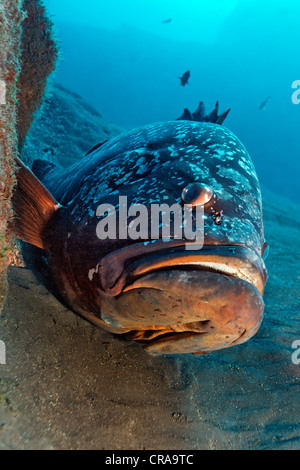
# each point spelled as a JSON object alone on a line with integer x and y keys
{"x": 170, "y": 293}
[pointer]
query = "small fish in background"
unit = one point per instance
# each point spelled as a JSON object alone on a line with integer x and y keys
{"x": 264, "y": 103}
{"x": 185, "y": 78}
{"x": 169, "y": 20}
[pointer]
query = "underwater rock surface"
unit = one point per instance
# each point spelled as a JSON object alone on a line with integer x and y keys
{"x": 65, "y": 129}
{"x": 28, "y": 54}
{"x": 69, "y": 385}
{"x": 11, "y": 17}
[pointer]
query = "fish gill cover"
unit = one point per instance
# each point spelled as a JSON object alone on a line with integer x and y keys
{"x": 28, "y": 55}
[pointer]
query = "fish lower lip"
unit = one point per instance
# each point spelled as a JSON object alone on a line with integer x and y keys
{"x": 233, "y": 261}
{"x": 168, "y": 343}
{"x": 178, "y": 311}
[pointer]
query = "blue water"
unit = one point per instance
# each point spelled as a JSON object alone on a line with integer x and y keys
{"x": 125, "y": 58}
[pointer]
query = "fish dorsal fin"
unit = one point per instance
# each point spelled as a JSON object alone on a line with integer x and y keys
{"x": 33, "y": 207}
{"x": 199, "y": 115}
{"x": 41, "y": 167}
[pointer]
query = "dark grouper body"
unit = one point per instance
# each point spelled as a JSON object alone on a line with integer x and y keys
{"x": 172, "y": 299}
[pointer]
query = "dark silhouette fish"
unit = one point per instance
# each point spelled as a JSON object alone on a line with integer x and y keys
{"x": 264, "y": 103}
{"x": 169, "y": 20}
{"x": 185, "y": 78}
{"x": 171, "y": 299}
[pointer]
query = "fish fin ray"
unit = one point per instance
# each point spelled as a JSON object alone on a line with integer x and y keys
{"x": 199, "y": 115}
{"x": 33, "y": 207}
{"x": 223, "y": 116}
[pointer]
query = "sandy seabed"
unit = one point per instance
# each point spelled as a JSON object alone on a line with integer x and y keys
{"x": 69, "y": 385}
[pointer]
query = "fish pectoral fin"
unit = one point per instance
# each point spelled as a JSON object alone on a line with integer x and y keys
{"x": 42, "y": 167}
{"x": 33, "y": 207}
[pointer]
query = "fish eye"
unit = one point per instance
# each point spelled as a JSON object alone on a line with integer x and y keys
{"x": 197, "y": 194}
{"x": 265, "y": 251}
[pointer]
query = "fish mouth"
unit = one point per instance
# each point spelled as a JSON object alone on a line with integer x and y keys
{"x": 183, "y": 301}
{"x": 120, "y": 270}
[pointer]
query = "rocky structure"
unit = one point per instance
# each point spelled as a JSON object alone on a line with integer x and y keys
{"x": 65, "y": 128}
{"x": 28, "y": 54}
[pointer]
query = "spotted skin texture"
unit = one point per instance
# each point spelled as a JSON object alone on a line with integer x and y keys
{"x": 153, "y": 165}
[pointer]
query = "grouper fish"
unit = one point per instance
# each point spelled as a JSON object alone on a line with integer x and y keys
{"x": 170, "y": 299}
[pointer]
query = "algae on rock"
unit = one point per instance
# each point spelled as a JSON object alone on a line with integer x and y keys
{"x": 27, "y": 56}
{"x": 39, "y": 55}
{"x": 11, "y": 17}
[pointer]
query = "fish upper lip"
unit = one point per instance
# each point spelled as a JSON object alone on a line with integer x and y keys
{"x": 120, "y": 270}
